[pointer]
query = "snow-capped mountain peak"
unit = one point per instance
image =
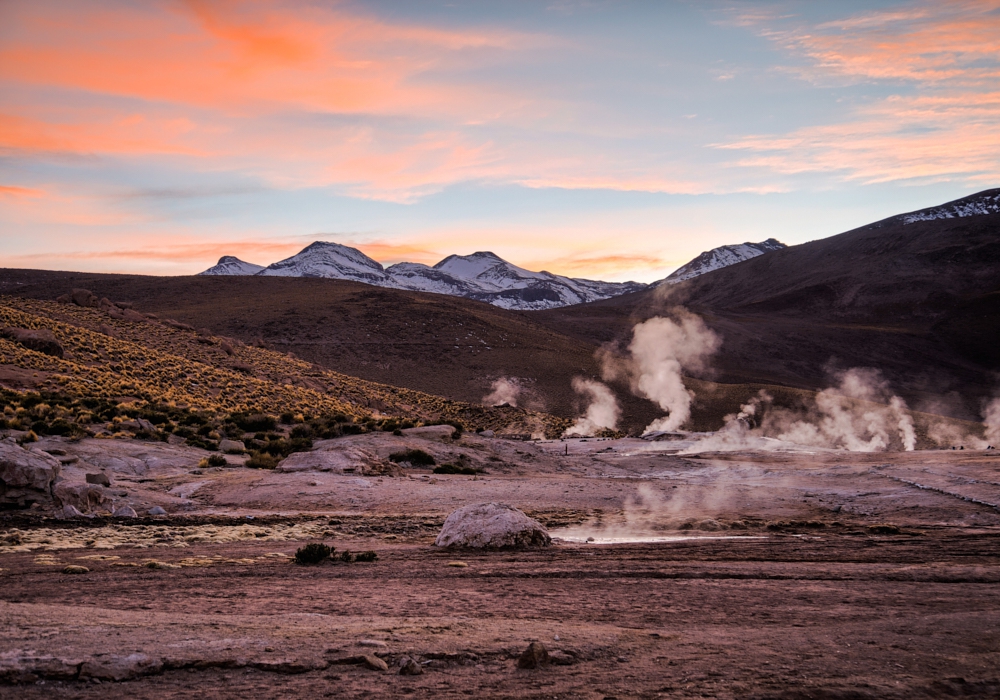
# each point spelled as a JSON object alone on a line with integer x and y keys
{"x": 720, "y": 257}
{"x": 323, "y": 259}
{"x": 482, "y": 276}
{"x": 231, "y": 265}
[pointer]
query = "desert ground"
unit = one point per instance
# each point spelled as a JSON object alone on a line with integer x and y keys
{"x": 777, "y": 573}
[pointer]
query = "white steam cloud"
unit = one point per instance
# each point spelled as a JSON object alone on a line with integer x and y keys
{"x": 860, "y": 414}
{"x": 503, "y": 391}
{"x": 602, "y": 411}
{"x": 661, "y": 349}
{"x": 991, "y": 419}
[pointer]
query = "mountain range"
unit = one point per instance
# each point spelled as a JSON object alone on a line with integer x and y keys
{"x": 915, "y": 296}
{"x": 482, "y": 276}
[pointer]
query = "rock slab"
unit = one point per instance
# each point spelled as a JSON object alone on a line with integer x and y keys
{"x": 491, "y": 526}
{"x": 26, "y": 476}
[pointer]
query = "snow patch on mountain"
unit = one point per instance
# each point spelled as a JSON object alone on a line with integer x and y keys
{"x": 987, "y": 202}
{"x": 720, "y": 257}
{"x": 230, "y": 265}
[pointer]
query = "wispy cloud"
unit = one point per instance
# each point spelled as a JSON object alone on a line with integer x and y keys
{"x": 941, "y": 61}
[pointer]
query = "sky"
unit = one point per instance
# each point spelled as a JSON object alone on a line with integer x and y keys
{"x": 604, "y": 139}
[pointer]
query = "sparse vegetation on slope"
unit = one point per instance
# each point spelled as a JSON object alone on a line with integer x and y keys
{"x": 165, "y": 363}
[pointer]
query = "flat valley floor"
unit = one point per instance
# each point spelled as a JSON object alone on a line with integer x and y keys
{"x": 730, "y": 575}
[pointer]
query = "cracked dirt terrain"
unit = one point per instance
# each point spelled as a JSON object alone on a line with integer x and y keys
{"x": 769, "y": 575}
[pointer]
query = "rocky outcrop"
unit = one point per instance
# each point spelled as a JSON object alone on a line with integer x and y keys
{"x": 84, "y": 297}
{"x": 37, "y": 339}
{"x": 26, "y": 476}
{"x": 340, "y": 459}
{"x": 491, "y": 526}
{"x": 82, "y": 496}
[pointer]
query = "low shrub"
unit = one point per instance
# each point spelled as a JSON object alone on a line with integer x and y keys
{"x": 456, "y": 469}
{"x": 254, "y": 422}
{"x": 417, "y": 458}
{"x": 313, "y": 553}
{"x": 262, "y": 460}
{"x": 216, "y": 461}
{"x": 366, "y": 556}
{"x": 347, "y": 556}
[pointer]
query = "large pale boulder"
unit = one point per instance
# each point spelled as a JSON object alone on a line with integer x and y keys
{"x": 337, "y": 458}
{"x": 81, "y": 495}
{"x": 491, "y": 526}
{"x": 26, "y": 476}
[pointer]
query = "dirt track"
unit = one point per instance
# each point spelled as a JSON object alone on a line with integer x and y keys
{"x": 809, "y": 575}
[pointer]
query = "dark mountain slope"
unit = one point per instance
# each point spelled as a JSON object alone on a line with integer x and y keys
{"x": 918, "y": 300}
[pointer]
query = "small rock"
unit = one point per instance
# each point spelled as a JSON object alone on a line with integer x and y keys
{"x": 69, "y": 511}
{"x": 232, "y": 446}
{"x": 409, "y": 667}
{"x": 488, "y": 433}
{"x": 534, "y": 656}
{"x": 125, "y": 512}
{"x": 175, "y": 440}
{"x": 561, "y": 658}
{"x": 372, "y": 643}
{"x": 98, "y": 478}
{"x": 74, "y": 569}
{"x": 375, "y": 663}
{"x": 120, "y": 668}
{"x": 156, "y": 510}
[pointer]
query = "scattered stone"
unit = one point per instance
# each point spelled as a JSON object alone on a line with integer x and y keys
{"x": 491, "y": 526}
{"x": 84, "y": 496}
{"x": 125, "y": 512}
{"x": 18, "y": 666}
{"x": 375, "y": 663}
{"x": 133, "y": 316}
{"x": 534, "y": 656}
{"x": 76, "y": 569}
{"x": 409, "y": 667}
{"x": 561, "y": 658}
{"x": 175, "y": 440}
{"x": 156, "y": 510}
{"x": 372, "y": 643}
{"x": 232, "y": 446}
{"x": 488, "y": 434}
{"x": 458, "y": 564}
{"x": 84, "y": 297}
{"x": 98, "y": 478}
{"x": 68, "y": 511}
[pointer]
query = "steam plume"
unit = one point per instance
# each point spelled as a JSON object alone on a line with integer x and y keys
{"x": 991, "y": 419}
{"x": 660, "y": 350}
{"x": 503, "y": 391}
{"x": 602, "y": 412}
{"x": 860, "y": 414}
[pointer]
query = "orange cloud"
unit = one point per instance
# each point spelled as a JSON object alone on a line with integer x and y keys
{"x": 13, "y": 191}
{"x": 949, "y": 129}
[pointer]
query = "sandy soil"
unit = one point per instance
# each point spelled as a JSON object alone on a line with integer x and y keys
{"x": 778, "y": 575}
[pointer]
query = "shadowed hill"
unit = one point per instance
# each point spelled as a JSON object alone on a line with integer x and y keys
{"x": 920, "y": 301}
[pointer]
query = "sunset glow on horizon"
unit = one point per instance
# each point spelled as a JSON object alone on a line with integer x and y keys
{"x": 607, "y": 140}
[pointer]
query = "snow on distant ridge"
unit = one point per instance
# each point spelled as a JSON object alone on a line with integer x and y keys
{"x": 230, "y": 265}
{"x": 720, "y": 257}
{"x": 482, "y": 276}
{"x": 987, "y": 202}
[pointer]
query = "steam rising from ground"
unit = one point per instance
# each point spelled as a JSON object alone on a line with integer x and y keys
{"x": 503, "y": 391}
{"x": 991, "y": 419}
{"x": 859, "y": 414}
{"x": 602, "y": 411}
{"x": 660, "y": 350}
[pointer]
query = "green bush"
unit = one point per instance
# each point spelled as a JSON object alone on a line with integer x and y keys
{"x": 216, "y": 460}
{"x": 313, "y": 553}
{"x": 415, "y": 457}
